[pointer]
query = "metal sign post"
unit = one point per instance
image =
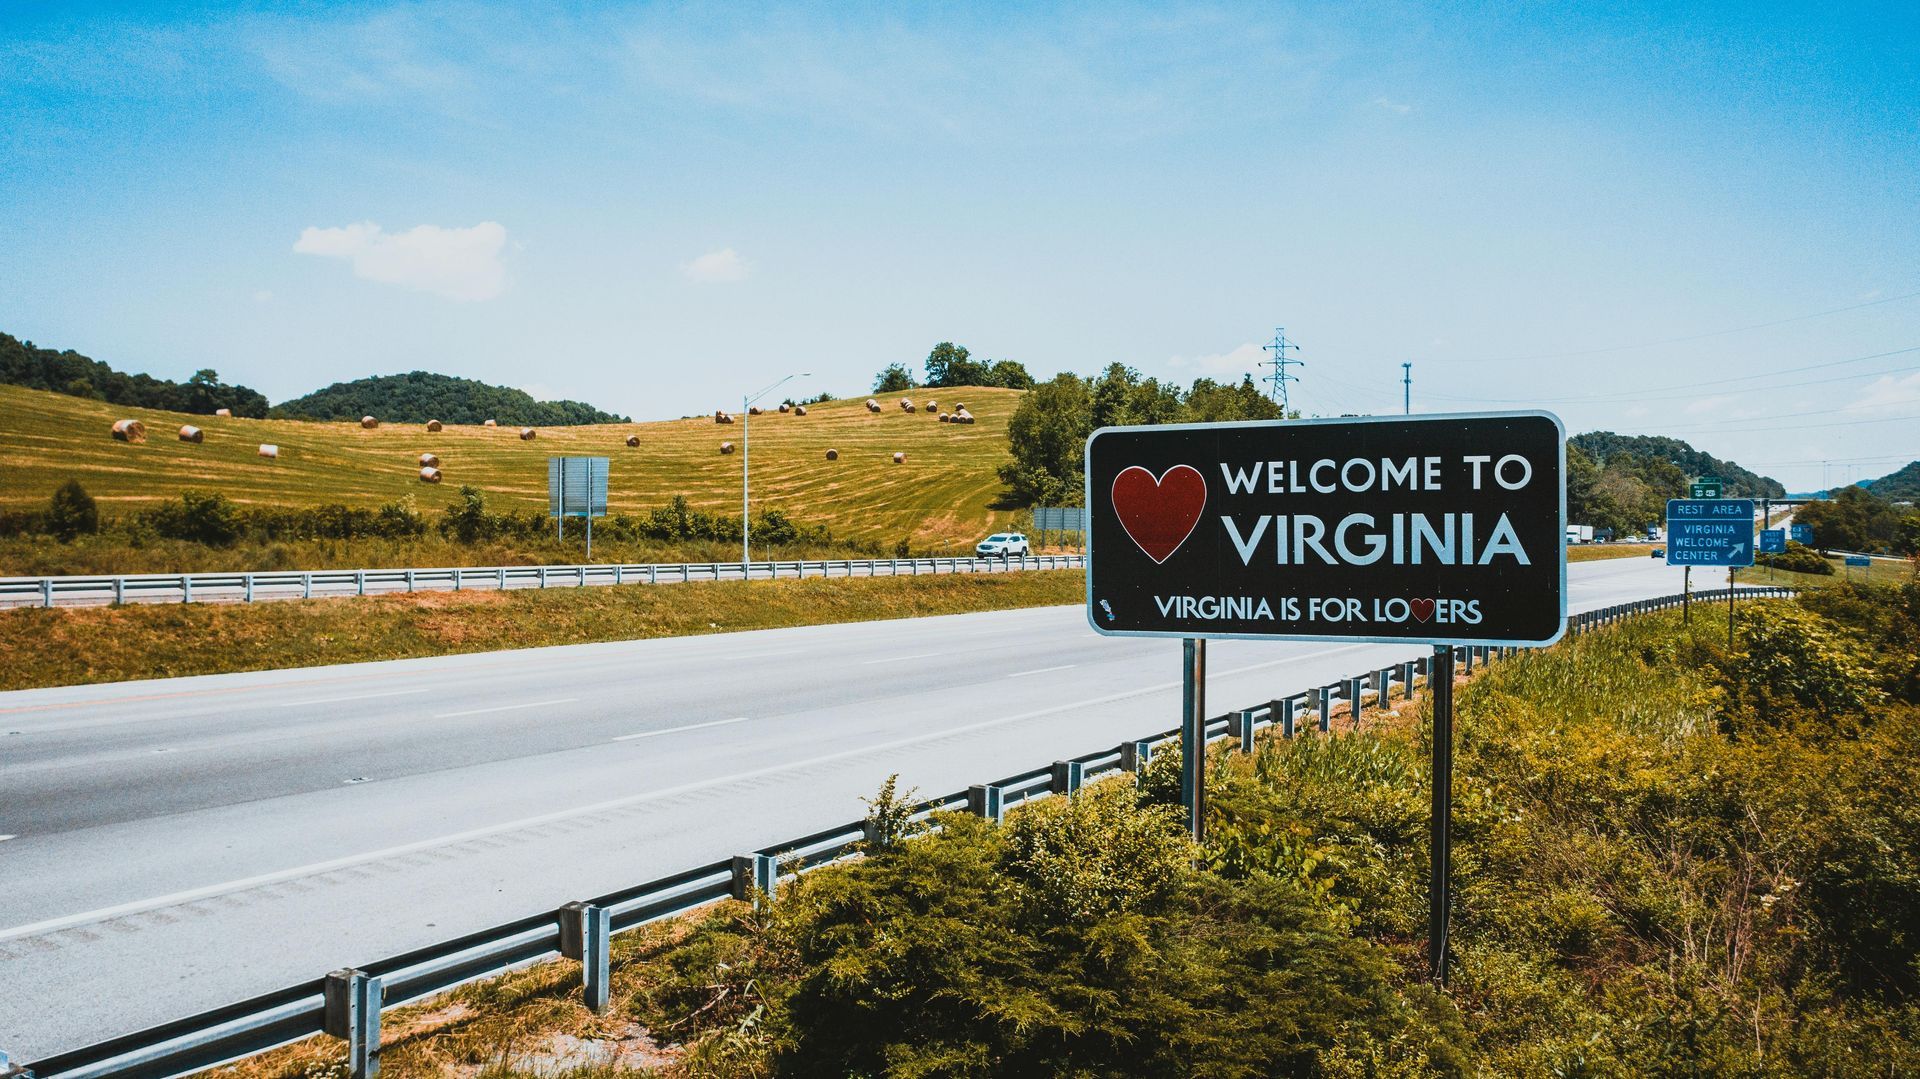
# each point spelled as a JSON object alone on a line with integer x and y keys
{"x": 1193, "y": 735}
{"x": 1440, "y": 871}
{"x": 1445, "y": 530}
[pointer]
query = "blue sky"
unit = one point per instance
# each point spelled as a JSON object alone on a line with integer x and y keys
{"x": 655, "y": 208}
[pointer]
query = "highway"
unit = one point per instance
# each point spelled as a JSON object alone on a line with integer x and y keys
{"x": 170, "y": 846}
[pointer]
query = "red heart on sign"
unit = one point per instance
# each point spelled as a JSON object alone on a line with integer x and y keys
{"x": 1422, "y": 609}
{"x": 1159, "y": 514}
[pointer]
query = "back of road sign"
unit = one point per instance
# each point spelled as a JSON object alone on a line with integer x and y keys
{"x": 1710, "y": 532}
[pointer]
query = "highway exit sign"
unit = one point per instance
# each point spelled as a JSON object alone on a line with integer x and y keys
{"x": 1710, "y": 532}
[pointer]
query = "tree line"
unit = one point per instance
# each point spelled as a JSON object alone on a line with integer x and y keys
{"x": 952, "y": 365}
{"x": 22, "y": 363}
{"x": 419, "y": 396}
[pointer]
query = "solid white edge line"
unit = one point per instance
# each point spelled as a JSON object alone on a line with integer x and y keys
{"x": 68, "y": 921}
{"x": 677, "y": 730}
{"x": 505, "y": 708}
{"x": 900, "y": 659}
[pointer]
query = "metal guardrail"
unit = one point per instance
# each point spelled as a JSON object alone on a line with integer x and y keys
{"x": 309, "y": 584}
{"x": 347, "y": 1003}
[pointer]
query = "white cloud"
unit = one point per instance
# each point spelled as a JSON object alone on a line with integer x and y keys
{"x": 1399, "y": 107}
{"x": 460, "y": 264}
{"x": 1245, "y": 359}
{"x": 1889, "y": 392}
{"x": 719, "y": 266}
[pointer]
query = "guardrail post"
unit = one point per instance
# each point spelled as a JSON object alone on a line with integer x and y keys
{"x": 360, "y": 581}
{"x": 46, "y": 591}
{"x": 1406, "y": 681}
{"x": 186, "y": 588}
{"x": 755, "y": 877}
{"x": 586, "y": 934}
{"x": 1326, "y": 708}
{"x": 409, "y": 580}
{"x": 543, "y": 576}
{"x": 1281, "y": 712}
{"x": 353, "y": 1013}
{"x": 619, "y": 574}
{"x": 1068, "y": 776}
{"x": 119, "y": 590}
{"x": 986, "y": 800}
{"x": 1469, "y": 660}
{"x": 1240, "y": 726}
{"x": 653, "y": 574}
{"x": 1135, "y": 755}
{"x": 1356, "y": 694}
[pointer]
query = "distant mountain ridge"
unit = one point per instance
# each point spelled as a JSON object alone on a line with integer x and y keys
{"x": 22, "y": 363}
{"x": 1740, "y": 482}
{"x": 1900, "y": 486}
{"x": 419, "y": 396}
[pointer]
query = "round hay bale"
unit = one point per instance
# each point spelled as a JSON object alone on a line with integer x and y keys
{"x": 753, "y": 410}
{"x": 906, "y": 404}
{"x": 429, "y": 460}
{"x": 633, "y": 440}
{"x": 784, "y": 407}
{"x": 190, "y": 433}
{"x": 872, "y": 405}
{"x": 933, "y": 406}
{"x": 269, "y": 451}
{"x": 799, "y": 410}
{"x": 490, "y": 423}
{"x": 720, "y": 416}
{"x": 429, "y": 475}
{"x": 369, "y": 422}
{"x": 833, "y": 455}
{"x": 527, "y": 434}
{"x": 959, "y": 406}
{"x": 726, "y": 448}
{"x": 129, "y": 431}
{"x": 433, "y": 425}
{"x": 944, "y": 418}
{"x": 223, "y": 412}
{"x": 899, "y": 458}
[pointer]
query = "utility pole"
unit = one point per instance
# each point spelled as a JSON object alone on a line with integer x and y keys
{"x": 1406, "y": 388}
{"x": 1280, "y": 362}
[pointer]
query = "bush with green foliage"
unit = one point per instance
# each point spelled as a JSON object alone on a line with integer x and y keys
{"x": 72, "y": 513}
{"x": 1796, "y": 559}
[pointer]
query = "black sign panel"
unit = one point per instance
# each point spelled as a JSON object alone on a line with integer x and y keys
{"x": 1423, "y": 528}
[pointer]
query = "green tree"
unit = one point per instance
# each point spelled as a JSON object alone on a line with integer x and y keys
{"x": 1047, "y": 436}
{"x": 952, "y": 365}
{"x": 1211, "y": 402}
{"x": 894, "y": 379}
{"x": 1010, "y": 374}
{"x": 72, "y": 512}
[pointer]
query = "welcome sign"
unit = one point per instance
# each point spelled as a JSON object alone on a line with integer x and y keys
{"x": 1449, "y": 529}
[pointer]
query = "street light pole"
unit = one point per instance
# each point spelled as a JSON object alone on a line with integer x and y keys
{"x": 746, "y": 449}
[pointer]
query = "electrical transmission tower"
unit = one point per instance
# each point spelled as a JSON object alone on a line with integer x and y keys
{"x": 1279, "y": 378}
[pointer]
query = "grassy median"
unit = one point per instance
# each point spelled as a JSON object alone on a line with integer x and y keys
{"x": 74, "y": 646}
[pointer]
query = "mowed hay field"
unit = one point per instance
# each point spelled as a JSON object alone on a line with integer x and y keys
{"x": 942, "y": 495}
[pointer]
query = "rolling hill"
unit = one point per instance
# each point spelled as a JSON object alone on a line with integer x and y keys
{"x": 1740, "y": 482}
{"x": 419, "y": 396}
{"x": 942, "y": 496}
{"x": 1900, "y": 486}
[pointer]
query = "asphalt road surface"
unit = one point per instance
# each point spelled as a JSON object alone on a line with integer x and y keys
{"x": 171, "y": 846}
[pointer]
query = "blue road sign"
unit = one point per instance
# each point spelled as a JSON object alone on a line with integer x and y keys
{"x": 1773, "y": 540}
{"x": 1801, "y": 534}
{"x": 1859, "y": 561}
{"x": 1710, "y": 532}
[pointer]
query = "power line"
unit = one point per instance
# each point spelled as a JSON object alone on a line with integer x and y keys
{"x": 1697, "y": 336}
{"x": 1786, "y": 427}
{"x": 1640, "y": 393}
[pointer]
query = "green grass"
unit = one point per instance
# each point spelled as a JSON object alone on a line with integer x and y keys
{"x": 943, "y": 494}
{"x": 73, "y": 646}
{"x": 1879, "y": 573}
{"x": 1595, "y": 552}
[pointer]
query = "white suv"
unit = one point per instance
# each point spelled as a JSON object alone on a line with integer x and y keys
{"x": 1003, "y": 545}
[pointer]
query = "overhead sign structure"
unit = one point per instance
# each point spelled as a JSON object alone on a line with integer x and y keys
{"x": 1705, "y": 487}
{"x": 1710, "y": 532}
{"x": 1773, "y": 540}
{"x": 1445, "y": 529}
{"x": 1802, "y": 534}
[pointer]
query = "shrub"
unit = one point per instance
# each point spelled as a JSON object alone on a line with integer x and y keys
{"x": 201, "y": 516}
{"x": 1797, "y": 558}
{"x": 72, "y": 512}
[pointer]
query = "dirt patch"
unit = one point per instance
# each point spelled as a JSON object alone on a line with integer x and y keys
{"x": 629, "y": 1048}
